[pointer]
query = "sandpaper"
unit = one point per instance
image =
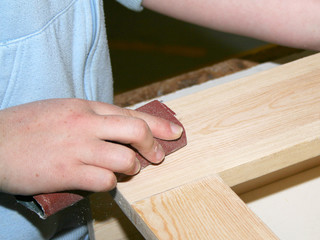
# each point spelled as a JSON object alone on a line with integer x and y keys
{"x": 47, "y": 204}
{"x": 159, "y": 109}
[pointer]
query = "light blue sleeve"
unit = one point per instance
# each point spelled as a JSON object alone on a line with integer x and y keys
{"x": 134, "y": 5}
{"x": 50, "y": 49}
{"x": 56, "y": 49}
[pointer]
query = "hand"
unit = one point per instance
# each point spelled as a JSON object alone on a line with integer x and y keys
{"x": 63, "y": 144}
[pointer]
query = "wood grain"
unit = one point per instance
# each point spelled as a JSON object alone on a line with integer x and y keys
{"x": 208, "y": 206}
{"x": 252, "y": 123}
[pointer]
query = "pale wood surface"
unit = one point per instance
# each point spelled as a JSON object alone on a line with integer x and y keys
{"x": 251, "y": 124}
{"x": 205, "y": 209}
{"x": 240, "y": 130}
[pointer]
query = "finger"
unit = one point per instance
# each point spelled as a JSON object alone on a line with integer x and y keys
{"x": 114, "y": 157}
{"x": 130, "y": 130}
{"x": 160, "y": 127}
{"x": 91, "y": 178}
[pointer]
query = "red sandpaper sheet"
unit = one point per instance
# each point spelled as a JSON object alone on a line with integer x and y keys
{"x": 54, "y": 202}
{"x": 159, "y": 109}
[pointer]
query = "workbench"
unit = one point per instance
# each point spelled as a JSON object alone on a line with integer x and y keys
{"x": 287, "y": 202}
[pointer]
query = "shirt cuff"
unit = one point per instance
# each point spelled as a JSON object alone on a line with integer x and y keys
{"x": 134, "y": 5}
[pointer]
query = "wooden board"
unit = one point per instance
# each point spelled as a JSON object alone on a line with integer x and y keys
{"x": 241, "y": 131}
{"x": 208, "y": 206}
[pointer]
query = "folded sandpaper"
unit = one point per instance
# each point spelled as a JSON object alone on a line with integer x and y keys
{"x": 48, "y": 204}
{"x": 159, "y": 109}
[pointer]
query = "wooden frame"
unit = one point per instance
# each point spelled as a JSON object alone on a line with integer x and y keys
{"x": 241, "y": 135}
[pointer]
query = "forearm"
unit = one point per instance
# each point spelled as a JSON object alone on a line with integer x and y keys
{"x": 285, "y": 22}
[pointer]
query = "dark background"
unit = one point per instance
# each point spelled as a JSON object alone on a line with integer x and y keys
{"x": 146, "y": 47}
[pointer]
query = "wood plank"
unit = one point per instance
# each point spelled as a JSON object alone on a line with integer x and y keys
{"x": 256, "y": 120}
{"x": 241, "y": 130}
{"x": 205, "y": 209}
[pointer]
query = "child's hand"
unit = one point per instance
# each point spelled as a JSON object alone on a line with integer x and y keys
{"x": 63, "y": 144}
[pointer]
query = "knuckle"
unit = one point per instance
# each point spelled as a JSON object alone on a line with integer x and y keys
{"x": 128, "y": 161}
{"x": 141, "y": 130}
{"x": 127, "y": 112}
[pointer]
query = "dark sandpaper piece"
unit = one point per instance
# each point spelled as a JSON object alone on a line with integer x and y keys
{"x": 47, "y": 204}
{"x": 159, "y": 109}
